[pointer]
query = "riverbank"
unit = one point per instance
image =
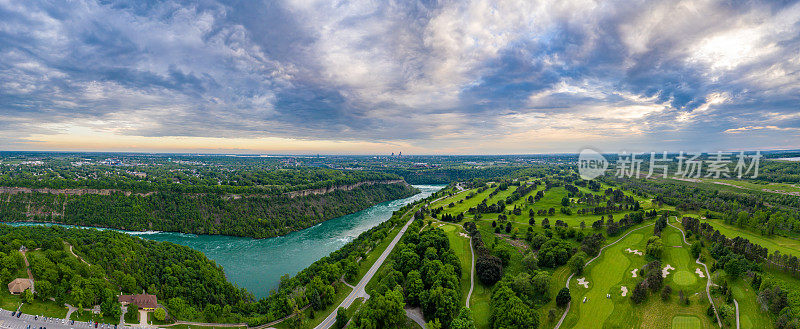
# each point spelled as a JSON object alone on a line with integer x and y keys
{"x": 258, "y": 264}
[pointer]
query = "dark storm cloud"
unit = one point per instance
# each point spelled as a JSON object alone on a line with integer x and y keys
{"x": 399, "y": 70}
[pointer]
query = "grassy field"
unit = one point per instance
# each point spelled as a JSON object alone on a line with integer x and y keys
{"x": 677, "y": 254}
{"x": 46, "y": 308}
{"x": 606, "y": 275}
{"x": 460, "y": 246}
{"x": 612, "y": 271}
{"x": 782, "y": 244}
{"x": 8, "y": 301}
{"x": 86, "y": 316}
{"x": 750, "y": 314}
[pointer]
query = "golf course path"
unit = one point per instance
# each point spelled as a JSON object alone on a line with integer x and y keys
{"x": 563, "y": 316}
{"x": 471, "y": 273}
{"x": 737, "y": 313}
{"x": 708, "y": 278}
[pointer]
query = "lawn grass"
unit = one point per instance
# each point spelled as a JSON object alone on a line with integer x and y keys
{"x": 46, "y": 308}
{"x": 612, "y": 270}
{"x": 8, "y": 301}
{"x": 460, "y": 246}
{"x": 686, "y": 322}
{"x": 678, "y": 254}
{"x": 606, "y": 275}
{"x": 750, "y": 314}
{"x": 86, "y": 316}
{"x": 783, "y": 244}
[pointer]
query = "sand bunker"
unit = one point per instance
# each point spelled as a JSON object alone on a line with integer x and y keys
{"x": 583, "y": 282}
{"x": 624, "y": 290}
{"x": 665, "y": 270}
{"x": 700, "y": 272}
{"x": 463, "y": 234}
{"x": 634, "y": 273}
{"x": 634, "y": 251}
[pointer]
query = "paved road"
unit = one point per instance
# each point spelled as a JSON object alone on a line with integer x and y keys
{"x": 563, "y": 316}
{"x": 359, "y": 290}
{"x": 415, "y": 314}
{"x": 25, "y": 320}
{"x": 737, "y": 313}
{"x": 708, "y": 276}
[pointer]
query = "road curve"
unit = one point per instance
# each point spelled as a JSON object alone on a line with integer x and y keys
{"x": 563, "y": 316}
{"x": 708, "y": 276}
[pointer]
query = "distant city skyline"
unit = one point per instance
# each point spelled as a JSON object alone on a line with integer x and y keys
{"x": 375, "y": 77}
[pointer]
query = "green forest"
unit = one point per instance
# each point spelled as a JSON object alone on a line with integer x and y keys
{"x": 254, "y": 216}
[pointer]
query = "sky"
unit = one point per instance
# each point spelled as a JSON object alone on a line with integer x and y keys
{"x": 421, "y": 77}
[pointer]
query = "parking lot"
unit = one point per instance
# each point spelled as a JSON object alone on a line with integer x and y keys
{"x": 28, "y": 321}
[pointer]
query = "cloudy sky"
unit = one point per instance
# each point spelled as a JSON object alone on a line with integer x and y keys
{"x": 424, "y": 77}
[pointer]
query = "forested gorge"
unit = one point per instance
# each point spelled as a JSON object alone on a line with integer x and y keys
{"x": 180, "y": 276}
{"x": 252, "y": 216}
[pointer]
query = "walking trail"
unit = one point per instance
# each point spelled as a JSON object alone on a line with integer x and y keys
{"x": 708, "y": 282}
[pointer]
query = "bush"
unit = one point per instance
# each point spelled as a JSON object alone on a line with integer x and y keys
{"x": 489, "y": 269}
{"x": 160, "y": 314}
{"x": 341, "y": 318}
{"x": 563, "y": 298}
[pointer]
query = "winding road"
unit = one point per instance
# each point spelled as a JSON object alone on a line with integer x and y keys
{"x": 708, "y": 277}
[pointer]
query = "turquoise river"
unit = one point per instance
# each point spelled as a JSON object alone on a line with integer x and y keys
{"x": 258, "y": 264}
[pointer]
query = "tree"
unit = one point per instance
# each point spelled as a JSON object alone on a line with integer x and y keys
{"x": 509, "y": 311}
{"x": 489, "y": 269}
{"x": 382, "y": 311}
{"x": 563, "y": 298}
{"x": 341, "y": 318}
{"x": 413, "y": 287}
{"x": 541, "y": 285}
{"x": 696, "y": 249}
{"x": 530, "y": 262}
{"x": 583, "y": 225}
{"x": 160, "y": 314}
{"x": 576, "y": 262}
{"x": 639, "y": 294}
{"x": 665, "y": 294}
{"x": 440, "y": 303}
{"x": 735, "y": 266}
{"x": 554, "y": 253}
{"x": 27, "y": 295}
{"x": 655, "y": 247}
{"x": 463, "y": 320}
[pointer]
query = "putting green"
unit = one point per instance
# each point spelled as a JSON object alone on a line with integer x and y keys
{"x": 686, "y": 322}
{"x": 684, "y": 278}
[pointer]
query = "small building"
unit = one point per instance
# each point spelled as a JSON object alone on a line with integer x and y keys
{"x": 19, "y": 286}
{"x": 143, "y": 301}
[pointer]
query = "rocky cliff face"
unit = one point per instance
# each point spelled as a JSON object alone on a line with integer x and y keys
{"x": 342, "y": 188}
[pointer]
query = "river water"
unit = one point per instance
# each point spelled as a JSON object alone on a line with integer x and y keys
{"x": 258, "y": 264}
